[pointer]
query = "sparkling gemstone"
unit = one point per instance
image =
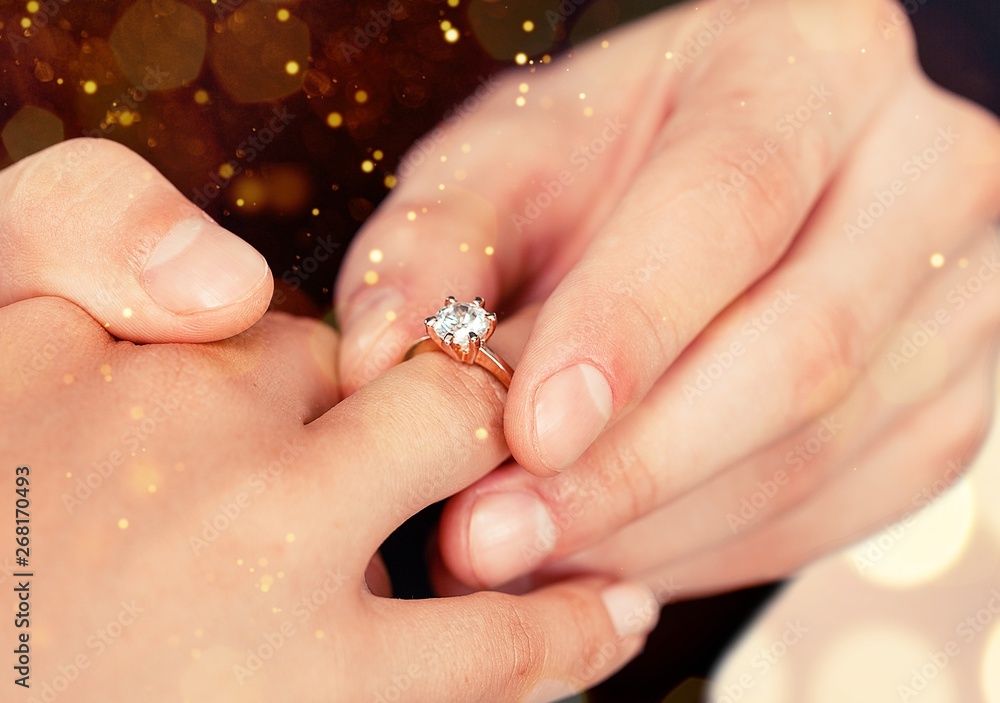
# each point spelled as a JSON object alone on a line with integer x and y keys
{"x": 460, "y": 320}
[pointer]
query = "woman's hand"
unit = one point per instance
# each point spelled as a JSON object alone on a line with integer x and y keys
{"x": 760, "y": 240}
{"x": 201, "y": 522}
{"x": 198, "y": 519}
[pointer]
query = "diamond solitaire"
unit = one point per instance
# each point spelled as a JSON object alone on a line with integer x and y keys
{"x": 460, "y": 330}
{"x": 462, "y": 322}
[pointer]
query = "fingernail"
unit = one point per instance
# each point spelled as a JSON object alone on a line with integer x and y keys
{"x": 200, "y": 266}
{"x": 571, "y": 410}
{"x": 509, "y": 534}
{"x": 632, "y": 607}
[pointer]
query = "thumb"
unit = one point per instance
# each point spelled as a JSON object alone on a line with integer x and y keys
{"x": 92, "y": 222}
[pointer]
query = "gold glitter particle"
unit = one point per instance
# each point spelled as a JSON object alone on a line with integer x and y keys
{"x": 520, "y": 101}
{"x": 962, "y": 263}
{"x": 390, "y": 181}
{"x": 151, "y": 488}
{"x": 791, "y": 59}
{"x": 463, "y": 247}
{"x": 240, "y": 202}
{"x": 266, "y": 581}
{"x": 482, "y": 433}
{"x": 319, "y": 634}
{"x": 521, "y": 58}
{"x": 489, "y": 251}
{"x": 411, "y": 216}
{"x": 25, "y": 22}
{"x": 445, "y": 25}
{"x": 334, "y": 119}
{"x": 528, "y": 26}
{"x": 69, "y": 474}
{"x": 290, "y": 538}
{"x": 32, "y": 6}
{"x": 375, "y": 255}
{"x": 669, "y": 55}
{"x": 315, "y": 211}
{"x": 378, "y": 155}
{"x": 367, "y": 165}
{"x": 137, "y": 413}
{"x": 283, "y": 15}
{"x": 125, "y": 119}
{"x": 443, "y": 158}
{"x": 201, "y": 97}
{"x": 583, "y": 96}
{"x": 588, "y": 111}
{"x": 440, "y": 187}
{"x": 452, "y": 3}
{"x": 524, "y": 87}
{"x": 605, "y": 44}
{"x": 239, "y": 562}
{"x": 371, "y": 278}
{"x": 90, "y": 87}
{"x": 292, "y": 68}
{"x": 451, "y": 36}
{"x": 361, "y": 97}
{"x": 390, "y": 316}
{"x": 937, "y": 260}
{"x": 123, "y": 524}
{"x": 226, "y": 170}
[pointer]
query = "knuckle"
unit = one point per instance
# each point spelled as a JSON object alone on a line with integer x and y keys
{"x": 771, "y": 194}
{"x": 830, "y": 347}
{"x": 625, "y": 472}
{"x": 521, "y": 643}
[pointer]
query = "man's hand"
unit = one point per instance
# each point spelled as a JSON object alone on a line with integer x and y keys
{"x": 746, "y": 223}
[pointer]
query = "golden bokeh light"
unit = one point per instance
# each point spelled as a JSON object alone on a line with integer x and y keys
{"x": 160, "y": 45}
{"x": 922, "y": 546}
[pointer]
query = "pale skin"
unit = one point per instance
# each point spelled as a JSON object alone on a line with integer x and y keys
{"x": 725, "y": 215}
{"x": 202, "y": 516}
{"x": 659, "y": 223}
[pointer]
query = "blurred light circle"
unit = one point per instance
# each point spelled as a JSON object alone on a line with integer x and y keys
{"x": 990, "y": 667}
{"x": 753, "y": 671}
{"x": 922, "y": 546}
{"x": 879, "y": 663}
{"x": 160, "y": 44}
{"x": 252, "y": 50}
{"x": 30, "y": 130}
